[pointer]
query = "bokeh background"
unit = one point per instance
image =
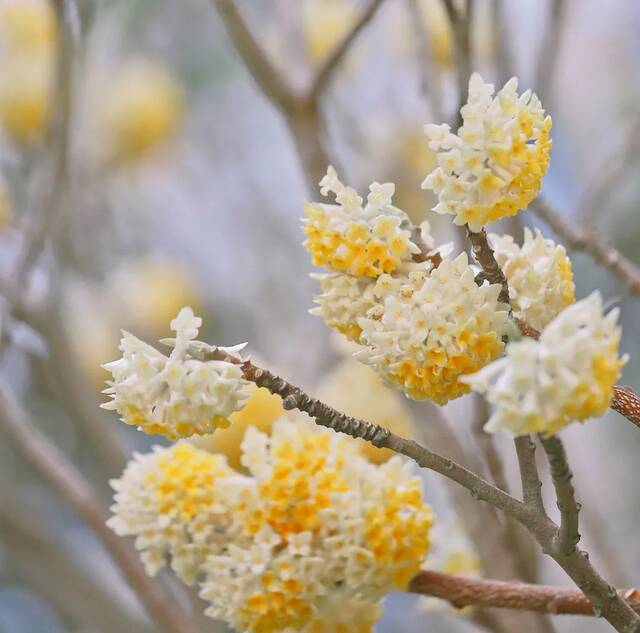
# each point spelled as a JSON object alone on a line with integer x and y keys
{"x": 142, "y": 169}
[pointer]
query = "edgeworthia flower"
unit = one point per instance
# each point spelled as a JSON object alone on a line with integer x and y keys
{"x": 364, "y": 241}
{"x": 568, "y": 374}
{"x": 310, "y": 540}
{"x": 175, "y": 396}
{"x": 433, "y": 328}
{"x": 494, "y": 165}
{"x": 539, "y": 274}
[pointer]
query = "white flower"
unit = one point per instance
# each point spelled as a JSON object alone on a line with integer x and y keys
{"x": 494, "y": 166}
{"x": 175, "y": 396}
{"x": 349, "y": 532}
{"x": 362, "y": 241}
{"x": 432, "y": 328}
{"x": 310, "y": 541}
{"x": 171, "y": 502}
{"x": 539, "y": 275}
{"x": 343, "y": 300}
{"x": 569, "y": 374}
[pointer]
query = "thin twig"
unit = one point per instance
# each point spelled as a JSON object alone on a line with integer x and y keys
{"x": 462, "y": 592}
{"x": 518, "y": 543}
{"x": 69, "y": 482}
{"x": 568, "y": 536}
{"x": 295, "y": 398}
{"x": 337, "y": 55}
{"x": 555, "y": 542}
{"x": 483, "y": 254}
{"x": 430, "y": 76}
{"x": 605, "y": 178}
{"x": 486, "y": 443}
{"x": 265, "y": 75}
{"x": 531, "y": 484}
{"x": 581, "y": 240}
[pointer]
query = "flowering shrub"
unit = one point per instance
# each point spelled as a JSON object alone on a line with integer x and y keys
{"x": 302, "y": 523}
{"x": 312, "y": 527}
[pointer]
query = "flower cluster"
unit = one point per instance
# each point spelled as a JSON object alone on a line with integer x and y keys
{"x": 312, "y": 528}
{"x": 432, "y": 328}
{"x": 175, "y": 396}
{"x": 494, "y": 165}
{"x": 362, "y": 241}
{"x": 539, "y": 274}
{"x": 171, "y": 500}
{"x": 422, "y": 326}
{"x": 568, "y": 374}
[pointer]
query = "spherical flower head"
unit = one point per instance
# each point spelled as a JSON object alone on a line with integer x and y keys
{"x": 321, "y": 529}
{"x": 539, "y": 274}
{"x": 494, "y": 165}
{"x": 568, "y": 374}
{"x": 143, "y": 107}
{"x": 171, "y": 500}
{"x": 175, "y": 396}
{"x": 364, "y": 241}
{"x": 434, "y": 329}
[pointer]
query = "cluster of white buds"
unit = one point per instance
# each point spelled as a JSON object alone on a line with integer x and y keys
{"x": 568, "y": 374}
{"x": 422, "y": 325}
{"x": 362, "y": 241}
{"x": 540, "y": 276}
{"x": 175, "y": 396}
{"x": 171, "y": 500}
{"x": 494, "y": 165}
{"x": 432, "y": 328}
{"x": 312, "y": 528}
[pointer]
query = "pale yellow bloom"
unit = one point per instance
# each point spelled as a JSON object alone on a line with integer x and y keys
{"x": 540, "y": 276}
{"x": 493, "y": 166}
{"x": 143, "y": 106}
{"x": 27, "y": 61}
{"x": 568, "y": 374}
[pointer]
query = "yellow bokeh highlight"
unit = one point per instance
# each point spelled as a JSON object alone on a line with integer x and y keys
{"x": 142, "y": 107}
{"x": 28, "y": 46}
{"x": 324, "y": 25}
{"x": 261, "y": 410}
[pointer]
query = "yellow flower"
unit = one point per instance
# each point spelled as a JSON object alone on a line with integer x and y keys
{"x": 494, "y": 165}
{"x": 143, "y": 107}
